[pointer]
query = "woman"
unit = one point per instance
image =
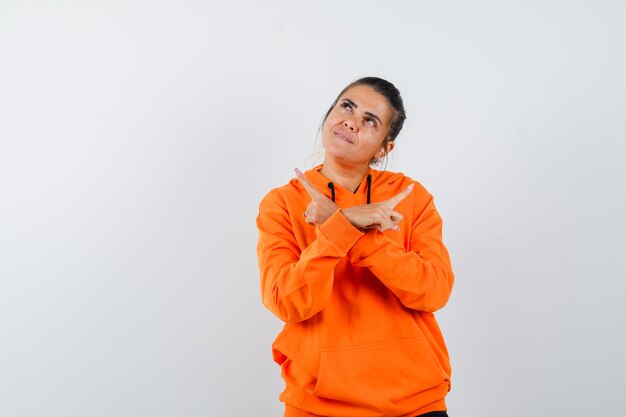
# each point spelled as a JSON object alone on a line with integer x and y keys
{"x": 352, "y": 260}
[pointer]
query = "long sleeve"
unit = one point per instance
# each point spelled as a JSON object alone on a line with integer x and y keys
{"x": 420, "y": 277}
{"x": 296, "y": 284}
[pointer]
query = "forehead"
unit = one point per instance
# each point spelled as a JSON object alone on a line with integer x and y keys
{"x": 369, "y": 100}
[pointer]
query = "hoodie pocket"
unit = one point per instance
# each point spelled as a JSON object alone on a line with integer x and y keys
{"x": 378, "y": 374}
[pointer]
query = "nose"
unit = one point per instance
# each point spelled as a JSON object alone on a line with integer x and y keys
{"x": 349, "y": 123}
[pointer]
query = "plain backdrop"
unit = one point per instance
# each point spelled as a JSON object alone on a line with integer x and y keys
{"x": 138, "y": 137}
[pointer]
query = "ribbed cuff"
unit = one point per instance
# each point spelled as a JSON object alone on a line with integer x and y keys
{"x": 340, "y": 232}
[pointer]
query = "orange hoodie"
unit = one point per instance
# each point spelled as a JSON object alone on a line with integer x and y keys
{"x": 360, "y": 338}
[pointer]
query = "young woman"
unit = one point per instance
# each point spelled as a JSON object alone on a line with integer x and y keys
{"x": 351, "y": 259}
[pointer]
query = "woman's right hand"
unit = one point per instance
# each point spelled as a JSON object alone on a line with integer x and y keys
{"x": 381, "y": 216}
{"x": 321, "y": 207}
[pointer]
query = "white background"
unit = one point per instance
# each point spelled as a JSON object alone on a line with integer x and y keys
{"x": 137, "y": 139}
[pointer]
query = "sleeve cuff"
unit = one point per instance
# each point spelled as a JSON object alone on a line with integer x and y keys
{"x": 340, "y": 232}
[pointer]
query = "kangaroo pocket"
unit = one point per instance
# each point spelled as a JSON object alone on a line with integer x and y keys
{"x": 378, "y": 374}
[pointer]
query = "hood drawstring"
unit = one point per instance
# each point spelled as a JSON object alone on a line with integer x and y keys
{"x": 331, "y": 187}
{"x": 332, "y": 190}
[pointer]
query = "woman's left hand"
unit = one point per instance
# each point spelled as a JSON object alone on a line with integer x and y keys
{"x": 381, "y": 216}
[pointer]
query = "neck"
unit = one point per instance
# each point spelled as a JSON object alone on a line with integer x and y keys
{"x": 349, "y": 177}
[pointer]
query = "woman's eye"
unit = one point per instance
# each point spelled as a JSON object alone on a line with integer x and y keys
{"x": 346, "y": 106}
{"x": 370, "y": 121}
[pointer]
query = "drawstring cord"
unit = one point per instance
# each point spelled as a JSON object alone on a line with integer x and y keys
{"x": 332, "y": 190}
{"x": 331, "y": 187}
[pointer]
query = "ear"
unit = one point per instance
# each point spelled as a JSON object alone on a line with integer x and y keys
{"x": 384, "y": 151}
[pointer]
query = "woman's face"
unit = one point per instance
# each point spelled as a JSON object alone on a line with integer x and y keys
{"x": 356, "y": 127}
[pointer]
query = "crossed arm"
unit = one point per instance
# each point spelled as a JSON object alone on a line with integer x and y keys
{"x": 297, "y": 284}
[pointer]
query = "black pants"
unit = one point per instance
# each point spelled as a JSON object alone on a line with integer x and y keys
{"x": 434, "y": 414}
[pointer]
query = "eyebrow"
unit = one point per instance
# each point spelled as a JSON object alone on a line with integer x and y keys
{"x": 356, "y": 106}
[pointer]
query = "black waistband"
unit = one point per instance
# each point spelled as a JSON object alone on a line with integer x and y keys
{"x": 434, "y": 414}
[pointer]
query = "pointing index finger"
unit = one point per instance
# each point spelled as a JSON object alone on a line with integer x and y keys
{"x": 310, "y": 188}
{"x": 396, "y": 199}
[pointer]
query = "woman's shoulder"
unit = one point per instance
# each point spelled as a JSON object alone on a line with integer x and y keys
{"x": 281, "y": 194}
{"x": 398, "y": 180}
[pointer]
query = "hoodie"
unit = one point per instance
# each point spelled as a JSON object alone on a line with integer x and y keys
{"x": 360, "y": 338}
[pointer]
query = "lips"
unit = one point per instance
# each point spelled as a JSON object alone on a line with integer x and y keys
{"x": 343, "y": 136}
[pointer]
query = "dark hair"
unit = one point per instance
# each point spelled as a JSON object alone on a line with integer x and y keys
{"x": 391, "y": 93}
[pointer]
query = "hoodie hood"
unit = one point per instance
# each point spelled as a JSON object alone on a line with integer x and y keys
{"x": 375, "y": 186}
